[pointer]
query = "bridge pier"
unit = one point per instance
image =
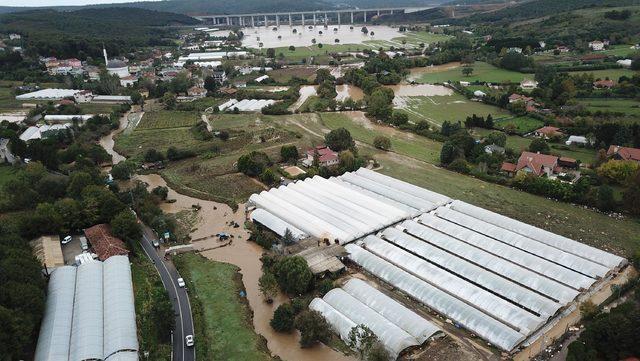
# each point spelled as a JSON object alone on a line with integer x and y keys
{"x": 228, "y": 20}
{"x": 326, "y": 19}
{"x": 302, "y": 20}
{"x": 266, "y": 23}
{"x": 338, "y": 19}
{"x": 314, "y": 19}
{"x": 253, "y": 22}
{"x": 365, "y": 16}
{"x": 352, "y": 17}
{"x": 277, "y": 21}
{"x": 290, "y": 22}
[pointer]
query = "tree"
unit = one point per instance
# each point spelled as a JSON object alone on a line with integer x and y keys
{"x": 339, "y": 140}
{"x": 399, "y": 118}
{"x": 79, "y": 180}
{"x": 123, "y": 170}
{"x": 588, "y": 309}
{"x": 283, "y": 318}
{"x": 125, "y": 226}
{"x": 153, "y": 155}
{"x": 632, "y": 197}
{"x": 448, "y": 153}
{"x": 268, "y": 176}
{"x": 379, "y": 104}
{"x": 606, "y": 201}
{"x": 313, "y": 328}
{"x": 539, "y": 145}
{"x": 618, "y": 171}
{"x": 289, "y": 153}
{"x": 210, "y": 84}
{"x": 364, "y": 30}
{"x": 323, "y": 75}
{"x": 271, "y": 53}
{"x": 293, "y": 274}
{"x": 161, "y": 192}
{"x": 497, "y": 138}
{"x": 254, "y": 163}
{"x": 268, "y": 286}
{"x": 366, "y": 344}
{"x": 348, "y": 161}
{"x": 162, "y": 315}
{"x": 382, "y": 142}
{"x": 467, "y": 70}
{"x": 169, "y": 100}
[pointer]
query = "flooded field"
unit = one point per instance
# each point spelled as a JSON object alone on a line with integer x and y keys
{"x": 216, "y": 217}
{"x": 417, "y": 90}
{"x": 415, "y": 73}
{"x": 348, "y": 91}
{"x": 303, "y": 36}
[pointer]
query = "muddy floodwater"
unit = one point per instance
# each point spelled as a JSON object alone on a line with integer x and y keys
{"x": 305, "y": 92}
{"x": 303, "y": 36}
{"x": 416, "y": 90}
{"x": 348, "y": 91}
{"x": 415, "y": 73}
{"x": 213, "y": 218}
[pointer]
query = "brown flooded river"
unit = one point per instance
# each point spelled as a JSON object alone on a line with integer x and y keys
{"x": 213, "y": 218}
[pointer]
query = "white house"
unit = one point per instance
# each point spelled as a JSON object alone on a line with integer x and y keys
{"x": 528, "y": 84}
{"x": 596, "y": 45}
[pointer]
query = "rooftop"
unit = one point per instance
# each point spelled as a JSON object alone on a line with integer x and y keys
{"x": 104, "y": 243}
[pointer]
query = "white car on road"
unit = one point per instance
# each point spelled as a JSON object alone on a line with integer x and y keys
{"x": 181, "y": 282}
{"x": 189, "y": 340}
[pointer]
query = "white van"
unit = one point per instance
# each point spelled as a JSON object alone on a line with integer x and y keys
{"x": 84, "y": 243}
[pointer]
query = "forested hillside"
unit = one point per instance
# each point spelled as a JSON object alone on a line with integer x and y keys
{"x": 81, "y": 33}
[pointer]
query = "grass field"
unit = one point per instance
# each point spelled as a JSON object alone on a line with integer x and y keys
{"x": 168, "y": 119}
{"x": 96, "y": 108}
{"x": 523, "y": 124}
{"x": 146, "y": 285}
{"x": 226, "y": 121}
{"x": 627, "y": 106}
{"x": 139, "y": 141}
{"x": 404, "y": 143}
{"x": 618, "y": 50}
{"x": 483, "y": 72}
{"x": 614, "y": 74}
{"x": 284, "y": 75}
{"x": 224, "y": 316}
{"x": 437, "y": 109}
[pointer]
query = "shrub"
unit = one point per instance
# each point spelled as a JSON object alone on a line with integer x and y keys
{"x": 254, "y": 163}
{"x": 293, "y": 274}
{"x": 313, "y": 328}
{"x": 283, "y": 318}
{"x": 459, "y": 165}
{"x": 153, "y": 155}
{"x": 382, "y": 142}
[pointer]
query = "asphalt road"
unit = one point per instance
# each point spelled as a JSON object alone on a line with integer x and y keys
{"x": 179, "y": 298}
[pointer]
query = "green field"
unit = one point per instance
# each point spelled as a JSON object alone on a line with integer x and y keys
{"x": 148, "y": 290}
{"x": 627, "y": 106}
{"x": 224, "y": 329}
{"x": 404, "y": 143}
{"x": 226, "y": 121}
{"x": 618, "y": 50}
{"x": 523, "y": 124}
{"x": 134, "y": 144}
{"x": 168, "y": 119}
{"x": 613, "y": 74}
{"x": 482, "y": 72}
{"x": 97, "y": 108}
{"x": 453, "y": 108}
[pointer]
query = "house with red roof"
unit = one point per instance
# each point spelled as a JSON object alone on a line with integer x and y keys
{"x": 104, "y": 243}
{"x": 539, "y": 164}
{"x": 623, "y": 153}
{"x": 326, "y": 156}
{"x": 547, "y": 132}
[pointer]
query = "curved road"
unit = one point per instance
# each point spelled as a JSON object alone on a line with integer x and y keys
{"x": 179, "y": 298}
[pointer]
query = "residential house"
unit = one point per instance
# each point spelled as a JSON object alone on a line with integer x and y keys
{"x": 220, "y": 76}
{"x": 15, "y": 37}
{"x": 623, "y": 153}
{"x": 514, "y": 50}
{"x": 104, "y": 243}
{"x": 596, "y": 45}
{"x": 128, "y": 81}
{"x": 603, "y": 84}
{"x": 262, "y": 78}
{"x": 547, "y": 132}
{"x": 5, "y": 153}
{"x": 528, "y": 84}
{"x": 538, "y": 164}
{"x": 513, "y": 98}
{"x": 326, "y": 156}
{"x": 479, "y": 94}
{"x": 563, "y": 49}
{"x": 197, "y": 92}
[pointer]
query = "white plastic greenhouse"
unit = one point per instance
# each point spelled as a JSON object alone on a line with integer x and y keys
{"x": 396, "y": 326}
{"x": 503, "y": 262}
{"x": 580, "y": 249}
{"x": 90, "y": 313}
{"x": 276, "y": 224}
{"x": 469, "y": 317}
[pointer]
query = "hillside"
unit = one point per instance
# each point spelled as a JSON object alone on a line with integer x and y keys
{"x": 81, "y": 33}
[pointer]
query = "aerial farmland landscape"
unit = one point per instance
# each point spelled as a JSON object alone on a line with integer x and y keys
{"x": 432, "y": 180}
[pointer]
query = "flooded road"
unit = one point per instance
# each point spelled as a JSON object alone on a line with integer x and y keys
{"x": 215, "y": 217}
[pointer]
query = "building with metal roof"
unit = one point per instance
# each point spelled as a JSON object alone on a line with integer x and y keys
{"x": 90, "y": 313}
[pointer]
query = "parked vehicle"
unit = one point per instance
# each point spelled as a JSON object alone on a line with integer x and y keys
{"x": 189, "y": 340}
{"x": 66, "y": 239}
{"x": 84, "y": 243}
{"x": 156, "y": 243}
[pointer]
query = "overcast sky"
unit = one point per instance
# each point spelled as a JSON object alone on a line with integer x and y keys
{"x": 61, "y": 2}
